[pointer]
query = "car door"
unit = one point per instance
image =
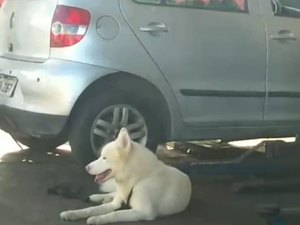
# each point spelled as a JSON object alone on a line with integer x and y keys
{"x": 213, "y": 54}
{"x": 282, "y": 18}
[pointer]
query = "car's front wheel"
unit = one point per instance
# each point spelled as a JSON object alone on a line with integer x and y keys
{"x": 102, "y": 116}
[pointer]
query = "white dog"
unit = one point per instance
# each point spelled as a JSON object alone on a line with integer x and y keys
{"x": 147, "y": 185}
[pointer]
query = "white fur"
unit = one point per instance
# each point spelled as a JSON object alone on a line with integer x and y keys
{"x": 157, "y": 189}
{"x": 102, "y": 198}
{"x": 108, "y": 187}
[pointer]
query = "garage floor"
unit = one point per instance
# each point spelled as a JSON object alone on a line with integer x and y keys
{"x": 26, "y": 176}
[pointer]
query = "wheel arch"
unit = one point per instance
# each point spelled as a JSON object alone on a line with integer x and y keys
{"x": 124, "y": 82}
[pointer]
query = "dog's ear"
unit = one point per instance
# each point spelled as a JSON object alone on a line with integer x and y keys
{"x": 123, "y": 140}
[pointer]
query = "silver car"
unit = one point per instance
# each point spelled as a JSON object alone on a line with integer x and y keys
{"x": 80, "y": 70}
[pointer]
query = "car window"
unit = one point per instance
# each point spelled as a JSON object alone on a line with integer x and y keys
{"x": 287, "y": 8}
{"x": 221, "y": 5}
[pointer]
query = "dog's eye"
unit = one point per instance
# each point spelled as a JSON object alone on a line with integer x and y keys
{"x": 104, "y": 158}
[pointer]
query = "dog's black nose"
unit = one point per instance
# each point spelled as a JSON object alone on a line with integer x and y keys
{"x": 87, "y": 168}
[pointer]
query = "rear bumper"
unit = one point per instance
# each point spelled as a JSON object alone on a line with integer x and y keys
{"x": 21, "y": 123}
{"x": 45, "y": 94}
{"x": 51, "y": 87}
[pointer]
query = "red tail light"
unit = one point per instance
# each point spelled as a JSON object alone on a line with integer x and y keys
{"x": 1, "y": 3}
{"x": 69, "y": 25}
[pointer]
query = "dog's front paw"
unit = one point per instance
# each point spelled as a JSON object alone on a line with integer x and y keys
{"x": 95, "y": 220}
{"x": 68, "y": 215}
{"x": 100, "y": 198}
{"x": 107, "y": 199}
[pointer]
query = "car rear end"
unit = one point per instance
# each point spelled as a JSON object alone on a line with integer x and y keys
{"x": 40, "y": 79}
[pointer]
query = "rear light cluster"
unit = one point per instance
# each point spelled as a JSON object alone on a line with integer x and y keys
{"x": 69, "y": 26}
{"x": 1, "y": 3}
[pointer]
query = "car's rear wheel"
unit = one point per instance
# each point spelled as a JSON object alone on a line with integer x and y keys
{"x": 102, "y": 116}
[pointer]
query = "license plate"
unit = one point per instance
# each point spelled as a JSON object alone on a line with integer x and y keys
{"x": 7, "y": 85}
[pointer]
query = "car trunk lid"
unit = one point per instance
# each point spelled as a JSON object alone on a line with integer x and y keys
{"x": 25, "y": 29}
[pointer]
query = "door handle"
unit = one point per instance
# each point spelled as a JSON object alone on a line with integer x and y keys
{"x": 154, "y": 28}
{"x": 284, "y": 35}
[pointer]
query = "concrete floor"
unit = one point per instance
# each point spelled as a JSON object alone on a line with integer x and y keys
{"x": 25, "y": 177}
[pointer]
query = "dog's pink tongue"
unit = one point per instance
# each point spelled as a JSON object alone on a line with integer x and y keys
{"x": 99, "y": 178}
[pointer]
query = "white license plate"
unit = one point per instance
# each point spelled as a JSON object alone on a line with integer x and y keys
{"x": 7, "y": 85}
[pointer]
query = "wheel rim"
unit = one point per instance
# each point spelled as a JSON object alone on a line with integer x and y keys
{"x": 108, "y": 123}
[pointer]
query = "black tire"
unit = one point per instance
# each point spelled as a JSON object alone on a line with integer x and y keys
{"x": 43, "y": 144}
{"x": 82, "y": 122}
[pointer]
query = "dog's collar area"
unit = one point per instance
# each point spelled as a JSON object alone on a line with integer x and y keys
{"x": 126, "y": 205}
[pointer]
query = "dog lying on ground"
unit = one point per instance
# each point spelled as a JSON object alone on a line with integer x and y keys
{"x": 148, "y": 186}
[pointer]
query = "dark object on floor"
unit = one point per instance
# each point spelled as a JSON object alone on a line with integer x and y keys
{"x": 275, "y": 215}
{"x": 259, "y": 167}
{"x": 69, "y": 191}
{"x": 278, "y": 159}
